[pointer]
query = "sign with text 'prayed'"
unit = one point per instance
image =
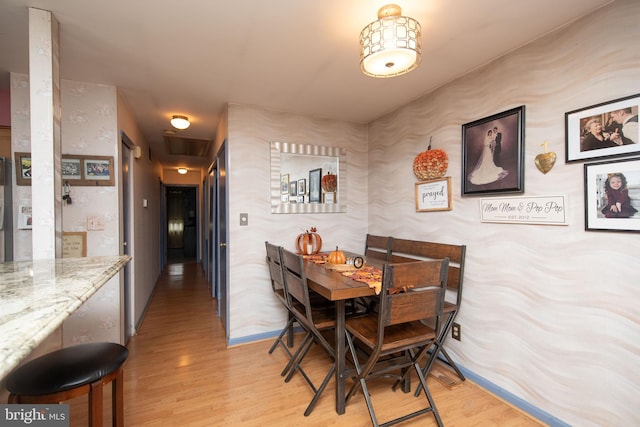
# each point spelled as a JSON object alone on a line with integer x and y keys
{"x": 547, "y": 210}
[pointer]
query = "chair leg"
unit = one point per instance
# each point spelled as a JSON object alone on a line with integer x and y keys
{"x": 320, "y": 389}
{"x": 451, "y": 363}
{"x": 95, "y": 404}
{"x": 117, "y": 400}
{"x": 279, "y": 340}
{"x": 423, "y": 384}
{"x": 294, "y": 361}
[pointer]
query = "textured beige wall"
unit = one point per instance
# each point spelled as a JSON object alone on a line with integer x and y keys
{"x": 253, "y": 309}
{"x": 549, "y": 313}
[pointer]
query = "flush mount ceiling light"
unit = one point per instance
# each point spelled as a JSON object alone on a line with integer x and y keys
{"x": 182, "y": 171}
{"x": 391, "y": 45}
{"x": 180, "y": 122}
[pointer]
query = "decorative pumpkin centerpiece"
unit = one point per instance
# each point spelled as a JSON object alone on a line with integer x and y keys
{"x": 329, "y": 182}
{"x": 337, "y": 257}
{"x": 430, "y": 164}
{"x": 309, "y": 242}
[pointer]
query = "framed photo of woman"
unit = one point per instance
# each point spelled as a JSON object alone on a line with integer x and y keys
{"x": 608, "y": 129}
{"x": 493, "y": 154}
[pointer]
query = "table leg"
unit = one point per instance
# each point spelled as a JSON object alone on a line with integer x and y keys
{"x": 340, "y": 349}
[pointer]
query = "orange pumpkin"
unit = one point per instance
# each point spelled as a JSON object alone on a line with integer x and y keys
{"x": 430, "y": 164}
{"x": 337, "y": 257}
{"x": 309, "y": 242}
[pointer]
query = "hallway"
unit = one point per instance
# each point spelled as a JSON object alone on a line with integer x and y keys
{"x": 180, "y": 373}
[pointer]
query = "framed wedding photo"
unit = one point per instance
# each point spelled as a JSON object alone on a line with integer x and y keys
{"x": 608, "y": 129}
{"x": 608, "y": 203}
{"x": 493, "y": 154}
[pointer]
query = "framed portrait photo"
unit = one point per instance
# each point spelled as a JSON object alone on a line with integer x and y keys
{"x": 493, "y": 154}
{"x": 610, "y": 201}
{"x": 302, "y": 187}
{"x": 284, "y": 184}
{"x": 608, "y": 129}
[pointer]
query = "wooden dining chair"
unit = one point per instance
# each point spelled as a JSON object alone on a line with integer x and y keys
{"x": 278, "y": 286}
{"x": 394, "y": 338}
{"x": 404, "y": 250}
{"x": 377, "y": 247}
{"x": 318, "y": 322}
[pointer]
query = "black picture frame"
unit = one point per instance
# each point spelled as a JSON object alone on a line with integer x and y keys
{"x": 315, "y": 190}
{"x": 599, "y": 216}
{"x": 302, "y": 187}
{"x": 583, "y": 141}
{"x": 490, "y": 164}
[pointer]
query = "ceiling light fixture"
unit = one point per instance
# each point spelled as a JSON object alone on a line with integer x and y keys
{"x": 182, "y": 171}
{"x": 391, "y": 45}
{"x": 180, "y": 122}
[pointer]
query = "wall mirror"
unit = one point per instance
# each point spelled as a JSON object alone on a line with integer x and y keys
{"x": 308, "y": 178}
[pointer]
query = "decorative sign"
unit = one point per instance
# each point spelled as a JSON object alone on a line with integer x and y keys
{"x": 434, "y": 195}
{"x": 547, "y": 210}
{"x": 74, "y": 244}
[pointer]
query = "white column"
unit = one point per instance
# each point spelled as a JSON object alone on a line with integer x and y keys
{"x": 44, "y": 83}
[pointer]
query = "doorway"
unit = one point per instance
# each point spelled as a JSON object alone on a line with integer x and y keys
{"x": 182, "y": 223}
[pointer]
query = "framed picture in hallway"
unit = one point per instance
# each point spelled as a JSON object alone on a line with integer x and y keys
{"x": 493, "y": 154}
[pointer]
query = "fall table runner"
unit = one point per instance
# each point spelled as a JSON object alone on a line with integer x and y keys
{"x": 372, "y": 276}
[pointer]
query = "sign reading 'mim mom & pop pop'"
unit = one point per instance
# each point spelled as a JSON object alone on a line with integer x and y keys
{"x": 547, "y": 210}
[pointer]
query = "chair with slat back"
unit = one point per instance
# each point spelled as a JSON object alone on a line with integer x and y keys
{"x": 394, "y": 338}
{"x": 377, "y": 247}
{"x": 277, "y": 284}
{"x": 404, "y": 250}
{"x": 316, "y": 320}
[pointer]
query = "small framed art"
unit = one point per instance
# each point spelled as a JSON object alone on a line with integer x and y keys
{"x": 23, "y": 168}
{"x": 609, "y": 201}
{"x": 98, "y": 170}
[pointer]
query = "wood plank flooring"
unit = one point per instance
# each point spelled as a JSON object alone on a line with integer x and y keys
{"x": 180, "y": 373}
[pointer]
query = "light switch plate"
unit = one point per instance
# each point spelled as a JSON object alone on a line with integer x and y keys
{"x": 244, "y": 219}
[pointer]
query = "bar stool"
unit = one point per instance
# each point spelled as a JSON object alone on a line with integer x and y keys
{"x": 70, "y": 372}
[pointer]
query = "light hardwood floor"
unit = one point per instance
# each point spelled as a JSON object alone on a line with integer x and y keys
{"x": 180, "y": 373}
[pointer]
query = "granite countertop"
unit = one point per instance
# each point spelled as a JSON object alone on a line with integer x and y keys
{"x": 37, "y": 296}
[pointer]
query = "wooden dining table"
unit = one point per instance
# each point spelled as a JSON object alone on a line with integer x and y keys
{"x": 338, "y": 288}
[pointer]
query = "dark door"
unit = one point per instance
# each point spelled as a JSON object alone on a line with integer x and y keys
{"x": 222, "y": 236}
{"x": 182, "y": 223}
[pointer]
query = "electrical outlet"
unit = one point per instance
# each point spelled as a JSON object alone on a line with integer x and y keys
{"x": 456, "y": 331}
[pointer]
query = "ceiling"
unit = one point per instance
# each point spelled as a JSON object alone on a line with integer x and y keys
{"x": 191, "y": 57}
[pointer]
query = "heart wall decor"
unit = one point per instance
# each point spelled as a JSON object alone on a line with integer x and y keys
{"x": 545, "y": 161}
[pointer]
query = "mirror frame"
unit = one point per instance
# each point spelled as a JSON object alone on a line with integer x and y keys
{"x": 278, "y": 149}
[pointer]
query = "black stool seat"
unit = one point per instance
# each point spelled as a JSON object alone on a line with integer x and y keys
{"x": 70, "y": 372}
{"x": 67, "y": 368}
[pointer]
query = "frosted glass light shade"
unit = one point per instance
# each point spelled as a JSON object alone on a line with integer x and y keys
{"x": 391, "y": 45}
{"x": 182, "y": 171}
{"x": 180, "y": 122}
